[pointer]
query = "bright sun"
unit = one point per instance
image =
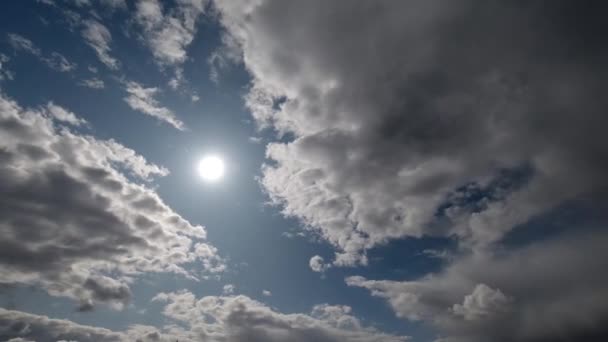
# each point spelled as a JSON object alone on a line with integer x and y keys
{"x": 211, "y": 168}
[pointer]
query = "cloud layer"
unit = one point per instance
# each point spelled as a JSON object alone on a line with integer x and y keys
{"x": 77, "y": 219}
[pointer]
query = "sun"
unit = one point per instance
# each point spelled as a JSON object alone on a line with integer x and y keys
{"x": 211, "y": 168}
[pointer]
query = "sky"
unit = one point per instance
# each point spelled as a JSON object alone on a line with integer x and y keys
{"x": 422, "y": 170}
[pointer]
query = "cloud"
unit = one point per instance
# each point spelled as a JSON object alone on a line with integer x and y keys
{"x": 58, "y": 62}
{"x": 421, "y": 118}
{"x": 169, "y": 32}
{"x": 142, "y": 99}
{"x": 554, "y": 290}
{"x": 240, "y": 318}
{"x": 55, "y": 61}
{"x": 228, "y": 289}
{"x": 99, "y": 38}
{"x": 93, "y": 83}
{"x": 267, "y": 293}
{"x": 19, "y": 42}
{"x": 317, "y": 264}
{"x": 77, "y": 219}
{"x": 61, "y": 114}
{"x": 5, "y": 74}
{"x": 19, "y": 326}
{"x": 210, "y": 319}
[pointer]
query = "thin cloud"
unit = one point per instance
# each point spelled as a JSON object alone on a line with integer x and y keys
{"x": 143, "y": 100}
{"x": 98, "y": 37}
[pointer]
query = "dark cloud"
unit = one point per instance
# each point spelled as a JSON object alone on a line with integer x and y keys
{"x": 460, "y": 119}
{"x": 76, "y": 217}
{"x": 554, "y": 290}
{"x": 395, "y": 106}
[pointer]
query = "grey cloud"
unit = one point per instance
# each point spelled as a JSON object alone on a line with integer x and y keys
{"x": 77, "y": 219}
{"x": 19, "y": 326}
{"x": 554, "y": 290}
{"x": 398, "y": 109}
{"x": 143, "y": 100}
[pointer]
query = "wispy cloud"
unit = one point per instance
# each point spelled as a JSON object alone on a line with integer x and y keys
{"x": 98, "y": 37}
{"x": 143, "y": 100}
{"x": 94, "y": 83}
{"x": 55, "y": 60}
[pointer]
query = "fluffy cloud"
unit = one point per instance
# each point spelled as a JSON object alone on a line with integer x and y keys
{"x": 424, "y": 117}
{"x": 98, "y": 37}
{"x": 76, "y": 218}
{"x": 169, "y": 32}
{"x": 317, "y": 264}
{"x": 210, "y": 319}
{"x": 240, "y": 318}
{"x": 549, "y": 291}
{"x": 142, "y": 99}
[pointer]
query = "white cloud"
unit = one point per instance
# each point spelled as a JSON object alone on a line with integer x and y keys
{"x": 76, "y": 222}
{"x": 142, "y": 99}
{"x": 94, "y": 83}
{"x": 483, "y": 302}
{"x": 266, "y": 293}
{"x": 228, "y": 289}
{"x": 317, "y": 264}
{"x": 61, "y": 114}
{"x": 209, "y": 319}
{"x": 169, "y": 34}
{"x": 98, "y": 37}
{"x": 240, "y": 318}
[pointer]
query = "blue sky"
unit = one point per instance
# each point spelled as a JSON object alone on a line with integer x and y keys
{"x": 383, "y": 178}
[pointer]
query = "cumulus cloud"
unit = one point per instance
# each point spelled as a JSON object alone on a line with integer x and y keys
{"x": 169, "y": 32}
{"x": 425, "y": 117}
{"x": 240, "y": 318}
{"x": 93, "y": 83}
{"x": 317, "y": 264}
{"x": 76, "y": 217}
{"x": 210, "y": 319}
{"x": 142, "y": 99}
{"x": 55, "y": 60}
{"x": 554, "y": 290}
{"x": 98, "y": 37}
